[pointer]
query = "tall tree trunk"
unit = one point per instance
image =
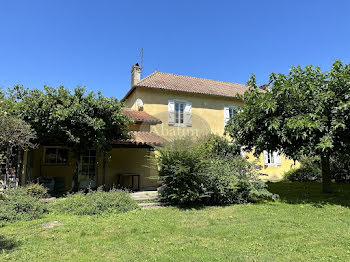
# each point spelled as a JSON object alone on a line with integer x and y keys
{"x": 19, "y": 170}
{"x": 76, "y": 176}
{"x": 104, "y": 171}
{"x": 8, "y": 166}
{"x": 326, "y": 173}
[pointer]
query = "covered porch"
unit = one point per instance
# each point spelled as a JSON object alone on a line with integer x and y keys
{"x": 128, "y": 165}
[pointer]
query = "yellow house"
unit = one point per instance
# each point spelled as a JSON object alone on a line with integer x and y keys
{"x": 164, "y": 107}
{"x": 190, "y": 106}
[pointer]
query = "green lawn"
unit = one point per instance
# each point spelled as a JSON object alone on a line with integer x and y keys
{"x": 304, "y": 226}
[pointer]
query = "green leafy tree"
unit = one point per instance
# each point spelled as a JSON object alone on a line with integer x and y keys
{"x": 78, "y": 119}
{"x": 306, "y": 112}
{"x": 15, "y": 135}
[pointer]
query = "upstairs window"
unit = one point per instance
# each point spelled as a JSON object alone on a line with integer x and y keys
{"x": 179, "y": 113}
{"x": 56, "y": 156}
{"x": 229, "y": 111}
{"x": 272, "y": 158}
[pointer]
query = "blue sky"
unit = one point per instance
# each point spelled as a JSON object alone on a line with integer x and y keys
{"x": 95, "y": 43}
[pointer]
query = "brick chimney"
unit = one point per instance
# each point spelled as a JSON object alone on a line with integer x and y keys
{"x": 135, "y": 74}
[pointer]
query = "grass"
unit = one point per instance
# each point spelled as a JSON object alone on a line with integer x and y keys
{"x": 304, "y": 226}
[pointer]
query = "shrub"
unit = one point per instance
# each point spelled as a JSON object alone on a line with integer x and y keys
{"x": 340, "y": 168}
{"x": 95, "y": 202}
{"x": 200, "y": 173}
{"x": 36, "y": 190}
{"x": 17, "y": 204}
{"x": 235, "y": 180}
{"x": 218, "y": 146}
{"x": 182, "y": 172}
{"x": 309, "y": 171}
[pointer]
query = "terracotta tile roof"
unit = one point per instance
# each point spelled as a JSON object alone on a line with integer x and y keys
{"x": 143, "y": 138}
{"x": 188, "y": 84}
{"x": 141, "y": 116}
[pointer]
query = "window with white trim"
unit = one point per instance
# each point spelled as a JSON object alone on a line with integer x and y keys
{"x": 272, "y": 158}
{"x": 56, "y": 156}
{"x": 179, "y": 112}
{"x": 229, "y": 111}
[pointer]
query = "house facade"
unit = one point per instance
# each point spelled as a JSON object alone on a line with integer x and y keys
{"x": 190, "y": 106}
{"x": 164, "y": 107}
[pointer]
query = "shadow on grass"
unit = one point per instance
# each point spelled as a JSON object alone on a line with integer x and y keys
{"x": 190, "y": 207}
{"x": 311, "y": 193}
{"x": 7, "y": 244}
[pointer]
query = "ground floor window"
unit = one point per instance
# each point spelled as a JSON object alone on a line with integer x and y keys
{"x": 88, "y": 168}
{"x": 272, "y": 158}
{"x": 56, "y": 155}
{"x": 87, "y": 177}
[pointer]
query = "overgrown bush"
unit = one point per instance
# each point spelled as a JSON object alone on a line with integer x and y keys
{"x": 310, "y": 171}
{"x": 18, "y": 204}
{"x": 36, "y": 190}
{"x": 340, "y": 168}
{"x": 217, "y": 146}
{"x": 235, "y": 180}
{"x": 201, "y": 173}
{"x": 95, "y": 202}
{"x": 182, "y": 172}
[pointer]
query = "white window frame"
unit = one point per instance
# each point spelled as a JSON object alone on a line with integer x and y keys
{"x": 185, "y": 104}
{"x": 273, "y": 158}
{"x": 229, "y": 108}
{"x": 57, "y": 148}
{"x": 233, "y": 109}
{"x": 178, "y": 114}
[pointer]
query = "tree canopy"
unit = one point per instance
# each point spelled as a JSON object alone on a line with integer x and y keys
{"x": 79, "y": 120}
{"x": 306, "y": 112}
{"x": 15, "y": 134}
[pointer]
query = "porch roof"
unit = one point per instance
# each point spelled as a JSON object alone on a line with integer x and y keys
{"x": 141, "y": 116}
{"x": 142, "y": 138}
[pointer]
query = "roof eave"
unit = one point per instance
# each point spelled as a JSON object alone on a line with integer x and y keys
{"x": 128, "y": 93}
{"x": 180, "y": 91}
{"x": 147, "y": 122}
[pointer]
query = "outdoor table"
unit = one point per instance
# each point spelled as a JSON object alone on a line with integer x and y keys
{"x": 132, "y": 175}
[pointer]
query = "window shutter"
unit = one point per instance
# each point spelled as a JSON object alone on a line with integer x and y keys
{"x": 188, "y": 114}
{"x": 241, "y": 150}
{"x": 277, "y": 157}
{"x": 171, "y": 112}
{"x": 266, "y": 158}
{"x": 226, "y": 114}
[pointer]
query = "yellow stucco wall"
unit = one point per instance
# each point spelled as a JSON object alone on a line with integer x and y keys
{"x": 129, "y": 160}
{"x": 40, "y": 169}
{"x": 273, "y": 173}
{"x": 121, "y": 160}
{"x": 207, "y": 111}
{"x": 207, "y": 117}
